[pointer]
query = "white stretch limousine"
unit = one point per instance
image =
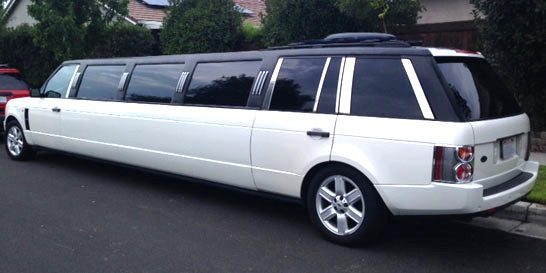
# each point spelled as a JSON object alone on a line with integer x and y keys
{"x": 357, "y": 126}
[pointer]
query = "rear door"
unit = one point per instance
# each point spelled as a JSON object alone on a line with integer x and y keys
{"x": 501, "y": 130}
{"x": 296, "y": 128}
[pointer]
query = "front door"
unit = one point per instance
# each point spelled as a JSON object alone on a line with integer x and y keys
{"x": 44, "y": 114}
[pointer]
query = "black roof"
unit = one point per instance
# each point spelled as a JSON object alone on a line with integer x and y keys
{"x": 337, "y": 44}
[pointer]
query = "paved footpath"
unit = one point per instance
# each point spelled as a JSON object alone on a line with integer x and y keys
{"x": 539, "y": 157}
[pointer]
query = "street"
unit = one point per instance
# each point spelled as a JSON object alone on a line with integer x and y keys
{"x": 65, "y": 214}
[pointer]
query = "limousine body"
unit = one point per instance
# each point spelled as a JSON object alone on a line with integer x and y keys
{"x": 357, "y": 131}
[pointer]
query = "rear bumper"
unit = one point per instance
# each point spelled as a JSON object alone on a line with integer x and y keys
{"x": 448, "y": 199}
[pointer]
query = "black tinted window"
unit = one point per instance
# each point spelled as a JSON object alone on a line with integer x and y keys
{"x": 222, "y": 84}
{"x": 297, "y": 84}
{"x": 479, "y": 93}
{"x": 100, "y": 82}
{"x": 381, "y": 88}
{"x": 328, "y": 95}
{"x": 12, "y": 82}
{"x": 154, "y": 83}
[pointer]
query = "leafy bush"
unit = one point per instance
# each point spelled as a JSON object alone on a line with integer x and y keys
{"x": 201, "y": 26}
{"x": 71, "y": 29}
{"x": 296, "y": 20}
{"x": 253, "y": 37}
{"x": 514, "y": 39}
{"x": 124, "y": 40}
{"x": 18, "y": 49}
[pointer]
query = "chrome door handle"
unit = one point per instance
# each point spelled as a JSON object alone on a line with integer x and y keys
{"x": 318, "y": 134}
{"x": 56, "y": 109}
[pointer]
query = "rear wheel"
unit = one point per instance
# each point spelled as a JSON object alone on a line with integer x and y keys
{"x": 15, "y": 142}
{"x": 345, "y": 206}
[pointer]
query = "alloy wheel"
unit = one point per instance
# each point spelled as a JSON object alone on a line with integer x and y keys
{"x": 340, "y": 205}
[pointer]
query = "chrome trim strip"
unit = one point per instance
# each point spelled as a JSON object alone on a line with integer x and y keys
{"x": 262, "y": 82}
{"x": 273, "y": 81}
{"x": 253, "y": 89}
{"x": 73, "y": 81}
{"x": 321, "y": 83}
{"x": 347, "y": 86}
{"x": 339, "y": 80}
{"x": 122, "y": 81}
{"x": 417, "y": 89}
{"x": 182, "y": 81}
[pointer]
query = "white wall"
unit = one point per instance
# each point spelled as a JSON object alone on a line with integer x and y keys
{"x": 443, "y": 11}
{"x": 19, "y": 15}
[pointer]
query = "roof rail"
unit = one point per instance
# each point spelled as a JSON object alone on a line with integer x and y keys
{"x": 350, "y": 39}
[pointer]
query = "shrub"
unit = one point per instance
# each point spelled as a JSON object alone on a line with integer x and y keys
{"x": 514, "y": 39}
{"x": 18, "y": 49}
{"x": 296, "y": 20}
{"x": 253, "y": 37}
{"x": 201, "y": 26}
{"x": 124, "y": 40}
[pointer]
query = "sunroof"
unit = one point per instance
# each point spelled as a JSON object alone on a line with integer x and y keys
{"x": 161, "y": 3}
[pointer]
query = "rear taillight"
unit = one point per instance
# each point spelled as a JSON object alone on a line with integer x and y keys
{"x": 453, "y": 164}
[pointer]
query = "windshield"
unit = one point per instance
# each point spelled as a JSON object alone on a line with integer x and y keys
{"x": 479, "y": 93}
{"x": 12, "y": 82}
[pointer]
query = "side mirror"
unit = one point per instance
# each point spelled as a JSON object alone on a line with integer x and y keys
{"x": 35, "y": 93}
{"x": 52, "y": 94}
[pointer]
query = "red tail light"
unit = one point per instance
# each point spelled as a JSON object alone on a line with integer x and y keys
{"x": 438, "y": 156}
{"x": 463, "y": 172}
{"x": 453, "y": 164}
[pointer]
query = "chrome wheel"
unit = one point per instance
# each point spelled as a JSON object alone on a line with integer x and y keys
{"x": 15, "y": 141}
{"x": 340, "y": 205}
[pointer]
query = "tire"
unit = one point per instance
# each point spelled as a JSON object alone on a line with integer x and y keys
{"x": 16, "y": 145}
{"x": 353, "y": 214}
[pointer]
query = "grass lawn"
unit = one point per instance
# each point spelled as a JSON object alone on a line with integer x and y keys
{"x": 538, "y": 195}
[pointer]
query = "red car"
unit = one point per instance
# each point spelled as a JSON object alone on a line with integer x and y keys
{"x": 11, "y": 86}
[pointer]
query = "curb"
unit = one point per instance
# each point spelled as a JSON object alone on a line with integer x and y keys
{"x": 524, "y": 212}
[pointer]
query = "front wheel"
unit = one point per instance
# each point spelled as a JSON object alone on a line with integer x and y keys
{"x": 345, "y": 206}
{"x": 15, "y": 142}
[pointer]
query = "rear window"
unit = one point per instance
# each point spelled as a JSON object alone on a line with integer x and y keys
{"x": 222, "y": 84}
{"x": 154, "y": 83}
{"x": 381, "y": 88}
{"x": 100, "y": 82}
{"x": 478, "y": 92}
{"x": 12, "y": 82}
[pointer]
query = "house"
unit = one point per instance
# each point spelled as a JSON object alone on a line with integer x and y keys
{"x": 444, "y": 23}
{"x": 148, "y": 13}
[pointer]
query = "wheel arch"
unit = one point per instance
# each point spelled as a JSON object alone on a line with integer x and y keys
{"x": 320, "y": 166}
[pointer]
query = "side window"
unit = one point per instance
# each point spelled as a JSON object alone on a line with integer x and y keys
{"x": 381, "y": 88}
{"x": 297, "y": 84}
{"x": 58, "y": 85}
{"x": 222, "y": 84}
{"x": 100, "y": 82}
{"x": 328, "y": 95}
{"x": 154, "y": 83}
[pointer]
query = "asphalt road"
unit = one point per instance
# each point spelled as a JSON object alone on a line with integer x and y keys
{"x": 63, "y": 214}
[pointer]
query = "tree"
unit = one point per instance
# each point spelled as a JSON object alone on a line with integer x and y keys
{"x": 296, "y": 20}
{"x": 513, "y": 34}
{"x": 381, "y": 14}
{"x": 18, "y": 49}
{"x": 124, "y": 40}
{"x": 201, "y": 26}
{"x": 71, "y": 28}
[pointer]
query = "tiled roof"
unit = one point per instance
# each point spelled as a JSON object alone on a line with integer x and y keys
{"x": 256, "y": 6}
{"x": 139, "y": 11}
